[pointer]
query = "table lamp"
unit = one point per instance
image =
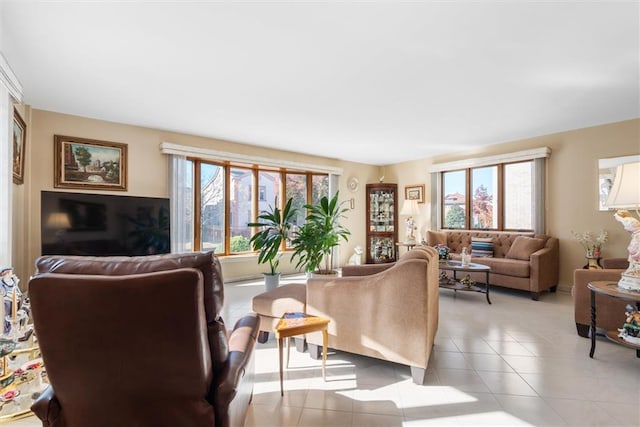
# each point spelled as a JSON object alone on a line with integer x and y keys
{"x": 625, "y": 193}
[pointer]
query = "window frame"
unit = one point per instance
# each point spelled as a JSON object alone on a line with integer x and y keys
{"x": 197, "y": 162}
{"x": 468, "y": 207}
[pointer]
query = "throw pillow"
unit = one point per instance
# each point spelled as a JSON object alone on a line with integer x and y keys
{"x": 435, "y": 238}
{"x": 481, "y": 247}
{"x": 522, "y": 247}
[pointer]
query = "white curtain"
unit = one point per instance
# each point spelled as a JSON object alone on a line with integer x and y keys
{"x": 10, "y": 92}
{"x": 178, "y": 178}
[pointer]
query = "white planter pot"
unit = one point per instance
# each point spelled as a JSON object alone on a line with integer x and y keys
{"x": 271, "y": 281}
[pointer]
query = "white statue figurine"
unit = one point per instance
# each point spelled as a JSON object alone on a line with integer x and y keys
{"x": 9, "y": 286}
{"x": 411, "y": 226}
{"x": 631, "y": 277}
{"x": 356, "y": 258}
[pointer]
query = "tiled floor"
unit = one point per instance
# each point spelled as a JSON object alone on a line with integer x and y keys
{"x": 515, "y": 362}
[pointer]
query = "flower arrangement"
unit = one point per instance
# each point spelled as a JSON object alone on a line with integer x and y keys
{"x": 443, "y": 251}
{"x": 592, "y": 244}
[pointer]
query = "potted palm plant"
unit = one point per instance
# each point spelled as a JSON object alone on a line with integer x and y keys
{"x": 314, "y": 242}
{"x": 274, "y": 229}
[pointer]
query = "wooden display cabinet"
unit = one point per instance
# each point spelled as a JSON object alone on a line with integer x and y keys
{"x": 382, "y": 223}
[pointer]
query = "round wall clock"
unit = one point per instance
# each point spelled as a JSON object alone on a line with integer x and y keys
{"x": 352, "y": 184}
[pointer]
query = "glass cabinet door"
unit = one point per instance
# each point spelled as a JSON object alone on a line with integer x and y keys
{"x": 382, "y": 222}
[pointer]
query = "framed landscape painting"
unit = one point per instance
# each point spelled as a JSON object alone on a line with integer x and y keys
{"x": 414, "y": 192}
{"x": 19, "y": 143}
{"x": 89, "y": 164}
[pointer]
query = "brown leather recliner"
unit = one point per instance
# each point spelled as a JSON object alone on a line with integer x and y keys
{"x": 610, "y": 312}
{"x": 139, "y": 341}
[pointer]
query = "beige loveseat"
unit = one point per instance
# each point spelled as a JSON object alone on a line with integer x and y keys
{"x": 520, "y": 260}
{"x": 391, "y": 315}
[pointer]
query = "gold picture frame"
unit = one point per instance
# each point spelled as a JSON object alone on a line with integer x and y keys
{"x": 414, "y": 192}
{"x": 19, "y": 145}
{"x": 89, "y": 164}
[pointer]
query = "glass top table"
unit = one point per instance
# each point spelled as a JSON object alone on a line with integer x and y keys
{"x": 465, "y": 283}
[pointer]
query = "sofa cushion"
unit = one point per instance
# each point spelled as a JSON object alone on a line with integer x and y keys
{"x": 481, "y": 247}
{"x": 523, "y": 247}
{"x": 435, "y": 238}
{"x": 506, "y": 266}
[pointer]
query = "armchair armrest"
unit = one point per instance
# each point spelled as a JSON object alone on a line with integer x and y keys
{"x": 233, "y": 390}
{"x": 241, "y": 344}
{"x": 47, "y": 408}
{"x": 545, "y": 266}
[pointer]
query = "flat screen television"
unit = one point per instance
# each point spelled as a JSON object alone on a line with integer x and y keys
{"x": 103, "y": 225}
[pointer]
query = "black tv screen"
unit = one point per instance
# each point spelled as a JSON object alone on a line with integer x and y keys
{"x": 103, "y": 225}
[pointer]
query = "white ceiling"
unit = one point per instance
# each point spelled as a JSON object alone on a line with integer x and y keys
{"x": 372, "y": 82}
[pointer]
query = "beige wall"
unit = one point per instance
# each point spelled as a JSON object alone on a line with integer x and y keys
{"x": 148, "y": 177}
{"x": 572, "y": 185}
{"x": 571, "y": 181}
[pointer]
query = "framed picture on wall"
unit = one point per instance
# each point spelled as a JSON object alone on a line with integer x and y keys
{"x": 414, "y": 192}
{"x": 89, "y": 164}
{"x": 19, "y": 144}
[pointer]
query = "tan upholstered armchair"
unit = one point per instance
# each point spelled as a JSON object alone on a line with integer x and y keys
{"x": 139, "y": 341}
{"x": 390, "y": 315}
{"x": 610, "y": 311}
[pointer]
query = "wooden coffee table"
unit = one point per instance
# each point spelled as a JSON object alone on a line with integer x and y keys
{"x": 292, "y": 324}
{"x": 458, "y": 284}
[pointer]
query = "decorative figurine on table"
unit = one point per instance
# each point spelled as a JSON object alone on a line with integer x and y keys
{"x": 411, "y": 227}
{"x": 16, "y": 312}
{"x": 356, "y": 258}
{"x": 443, "y": 251}
{"x": 630, "y": 331}
{"x": 465, "y": 258}
{"x": 631, "y": 277}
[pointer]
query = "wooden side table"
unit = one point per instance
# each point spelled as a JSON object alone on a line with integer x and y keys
{"x": 611, "y": 289}
{"x": 292, "y": 324}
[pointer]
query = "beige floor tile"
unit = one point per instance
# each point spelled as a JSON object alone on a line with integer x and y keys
{"x": 506, "y": 383}
{"x": 267, "y": 415}
{"x": 487, "y": 362}
{"x": 376, "y": 420}
{"x": 318, "y": 418}
{"x": 530, "y": 409}
{"x": 585, "y": 413}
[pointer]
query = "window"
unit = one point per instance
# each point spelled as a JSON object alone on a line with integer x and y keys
{"x": 212, "y": 207}
{"x": 454, "y": 201}
{"x": 229, "y": 196}
{"x": 484, "y": 197}
{"x": 494, "y": 197}
{"x": 518, "y": 196}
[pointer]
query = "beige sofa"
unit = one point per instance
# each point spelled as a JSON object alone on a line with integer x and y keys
{"x": 520, "y": 260}
{"x": 390, "y": 315}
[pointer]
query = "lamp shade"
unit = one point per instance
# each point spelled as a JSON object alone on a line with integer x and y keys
{"x": 410, "y": 207}
{"x": 625, "y": 192}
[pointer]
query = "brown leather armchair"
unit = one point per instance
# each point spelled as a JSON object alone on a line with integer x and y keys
{"x": 139, "y": 341}
{"x": 610, "y": 312}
